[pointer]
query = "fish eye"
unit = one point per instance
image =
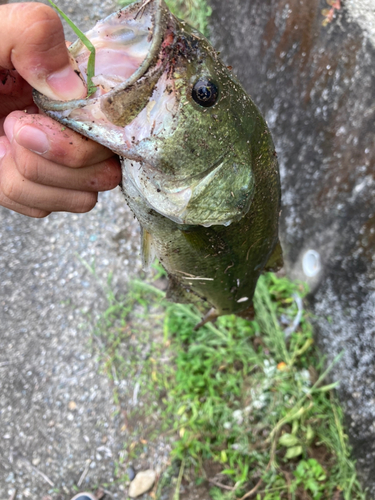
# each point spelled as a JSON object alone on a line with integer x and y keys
{"x": 205, "y": 92}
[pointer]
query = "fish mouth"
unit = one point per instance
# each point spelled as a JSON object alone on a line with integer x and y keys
{"x": 136, "y": 99}
{"x": 132, "y": 52}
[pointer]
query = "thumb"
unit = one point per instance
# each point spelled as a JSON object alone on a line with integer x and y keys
{"x": 33, "y": 44}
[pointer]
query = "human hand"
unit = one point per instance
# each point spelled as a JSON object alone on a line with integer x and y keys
{"x": 44, "y": 167}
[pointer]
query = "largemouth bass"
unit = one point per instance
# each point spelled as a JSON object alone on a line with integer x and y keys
{"x": 199, "y": 167}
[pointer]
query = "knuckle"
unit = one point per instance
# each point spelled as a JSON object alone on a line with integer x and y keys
{"x": 40, "y": 14}
{"x": 10, "y": 188}
{"x": 29, "y": 169}
{"x": 84, "y": 158}
{"x": 82, "y": 152}
{"x": 86, "y": 202}
{"x": 43, "y": 29}
{"x": 81, "y": 157}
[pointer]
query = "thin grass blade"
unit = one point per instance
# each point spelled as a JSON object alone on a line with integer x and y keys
{"x": 91, "y": 88}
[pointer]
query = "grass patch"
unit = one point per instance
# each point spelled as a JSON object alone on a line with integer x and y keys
{"x": 247, "y": 408}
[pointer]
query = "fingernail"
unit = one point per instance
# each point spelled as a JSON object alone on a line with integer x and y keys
{"x": 33, "y": 139}
{"x": 3, "y": 150}
{"x": 66, "y": 84}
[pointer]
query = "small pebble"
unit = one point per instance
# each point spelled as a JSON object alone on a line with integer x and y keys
{"x": 72, "y": 405}
{"x": 131, "y": 473}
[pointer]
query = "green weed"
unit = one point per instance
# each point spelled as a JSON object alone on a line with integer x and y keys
{"x": 311, "y": 475}
{"x": 248, "y": 407}
{"x": 91, "y": 88}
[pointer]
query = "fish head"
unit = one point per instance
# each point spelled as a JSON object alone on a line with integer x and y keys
{"x": 182, "y": 125}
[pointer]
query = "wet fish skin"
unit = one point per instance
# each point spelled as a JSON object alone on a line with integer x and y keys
{"x": 221, "y": 158}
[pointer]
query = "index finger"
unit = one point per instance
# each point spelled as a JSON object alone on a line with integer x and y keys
{"x": 33, "y": 43}
{"x": 43, "y": 135}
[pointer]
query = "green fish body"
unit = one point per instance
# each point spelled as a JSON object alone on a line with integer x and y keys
{"x": 200, "y": 171}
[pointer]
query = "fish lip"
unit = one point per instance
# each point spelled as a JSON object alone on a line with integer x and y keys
{"x": 161, "y": 16}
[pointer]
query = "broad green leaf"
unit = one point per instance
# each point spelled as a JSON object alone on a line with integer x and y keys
{"x": 288, "y": 440}
{"x": 293, "y": 452}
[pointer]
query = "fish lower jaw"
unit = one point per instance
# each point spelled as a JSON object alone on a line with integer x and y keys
{"x": 142, "y": 188}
